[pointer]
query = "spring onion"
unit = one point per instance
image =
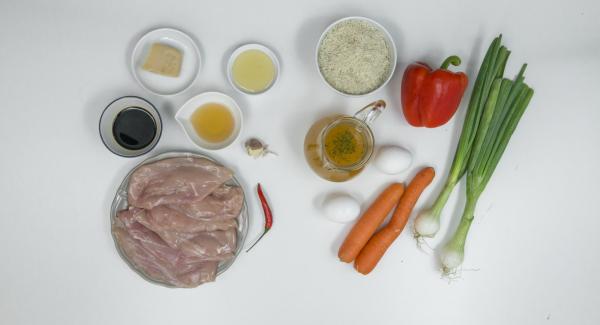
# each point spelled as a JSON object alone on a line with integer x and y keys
{"x": 503, "y": 109}
{"x": 427, "y": 223}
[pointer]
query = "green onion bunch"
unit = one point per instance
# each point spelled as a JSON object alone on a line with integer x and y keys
{"x": 494, "y": 110}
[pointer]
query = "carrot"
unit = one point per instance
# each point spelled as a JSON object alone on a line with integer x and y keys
{"x": 376, "y": 247}
{"x": 369, "y": 222}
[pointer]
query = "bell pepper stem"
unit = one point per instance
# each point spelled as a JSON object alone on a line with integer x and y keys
{"x": 453, "y": 59}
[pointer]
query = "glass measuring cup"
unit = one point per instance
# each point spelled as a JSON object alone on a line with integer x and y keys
{"x": 338, "y": 147}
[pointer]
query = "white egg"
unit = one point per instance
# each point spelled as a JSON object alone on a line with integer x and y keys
{"x": 341, "y": 207}
{"x": 392, "y": 159}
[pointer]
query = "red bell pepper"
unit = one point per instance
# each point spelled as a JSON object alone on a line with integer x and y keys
{"x": 430, "y": 98}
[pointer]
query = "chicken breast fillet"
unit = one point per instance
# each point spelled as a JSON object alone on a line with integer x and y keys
{"x": 175, "y": 181}
{"x": 151, "y": 255}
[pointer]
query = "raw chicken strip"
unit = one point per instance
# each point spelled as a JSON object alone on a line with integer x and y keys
{"x": 147, "y": 263}
{"x": 142, "y": 260}
{"x": 212, "y": 244}
{"x": 203, "y": 272}
{"x": 224, "y": 203}
{"x": 153, "y": 257}
{"x": 157, "y": 245}
{"x": 163, "y": 218}
{"x": 151, "y": 241}
{"x": 217, "y": 245}
{"x": 175, "y": 181}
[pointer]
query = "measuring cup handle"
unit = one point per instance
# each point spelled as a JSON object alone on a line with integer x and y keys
{"x": 370, "y": 112}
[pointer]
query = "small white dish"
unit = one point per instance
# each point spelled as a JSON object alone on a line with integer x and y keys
{"x": 244, "y": 48}
{"x": 184, "y": 114}
{"x": 390, "y": 43}
{"x": 163, "y": 85}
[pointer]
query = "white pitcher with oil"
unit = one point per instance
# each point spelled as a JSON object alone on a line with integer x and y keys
{"x": 339, "y": 147}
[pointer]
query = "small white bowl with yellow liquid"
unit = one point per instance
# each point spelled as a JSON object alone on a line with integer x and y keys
{"x": 211, "y": 120}
{"x": 253, "y": 69}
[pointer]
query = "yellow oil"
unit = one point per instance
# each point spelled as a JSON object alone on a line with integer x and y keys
{"x": 213, "y": 122}
{"x": 312, "y": 152}
{"x": 344, "y": 145}
{"x": 253, "y": 71}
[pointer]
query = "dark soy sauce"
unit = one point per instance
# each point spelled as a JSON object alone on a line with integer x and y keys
{"x": 134, "y": 128}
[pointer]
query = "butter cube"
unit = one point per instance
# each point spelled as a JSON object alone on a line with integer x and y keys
{"x": 163, "y": 60}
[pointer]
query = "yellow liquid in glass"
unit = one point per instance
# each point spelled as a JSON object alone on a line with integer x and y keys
{"x": 312, "y": 152}
{"x": 213, "y": 122}
{"x": 344, "y": 145}
{"x": 253, "y": 71}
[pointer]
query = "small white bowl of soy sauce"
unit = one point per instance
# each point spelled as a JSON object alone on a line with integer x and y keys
{"x": 130, "y": 126}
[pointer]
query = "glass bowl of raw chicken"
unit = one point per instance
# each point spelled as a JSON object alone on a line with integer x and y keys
{"x": 179, "y": 219}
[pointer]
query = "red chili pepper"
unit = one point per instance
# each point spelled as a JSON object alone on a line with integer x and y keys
{"x": 430, "y": 98}
{"x": 267, "y": 212}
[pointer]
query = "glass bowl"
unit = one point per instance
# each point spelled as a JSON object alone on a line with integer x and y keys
{"x": 120, "y": 202}
{"x": 105, "y": 126}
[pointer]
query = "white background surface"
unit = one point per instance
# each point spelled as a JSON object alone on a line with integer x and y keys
{"x": 534, "y": 243}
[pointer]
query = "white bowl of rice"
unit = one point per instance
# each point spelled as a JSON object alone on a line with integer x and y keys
{"x": 356, "y": 56}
